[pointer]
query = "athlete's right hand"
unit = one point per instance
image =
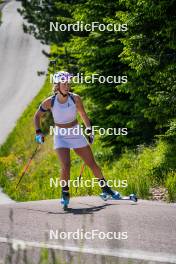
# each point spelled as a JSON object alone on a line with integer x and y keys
{"x": 39, "y": 138}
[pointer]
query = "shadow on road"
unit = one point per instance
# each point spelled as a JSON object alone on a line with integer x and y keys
{"x": 89, "y": 210}
{"x": 75, "y": 211}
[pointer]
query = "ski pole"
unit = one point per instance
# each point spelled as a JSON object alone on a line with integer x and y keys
{"x": 27, "y": 165}
{"x": 53, "y": 62}
{"x": 80, "y": 175}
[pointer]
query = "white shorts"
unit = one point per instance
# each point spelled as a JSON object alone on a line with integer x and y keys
{"x": 71, "y": 138}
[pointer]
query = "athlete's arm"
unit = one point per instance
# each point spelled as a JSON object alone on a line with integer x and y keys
{"x": 81, "y": 111}
{"x": 43, "y": 108}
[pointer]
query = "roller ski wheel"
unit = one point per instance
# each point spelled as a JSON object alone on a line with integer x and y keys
{"x": 65, "y": 200}
{"x": 133, "y": 197}
{"x": 107, "y": 196}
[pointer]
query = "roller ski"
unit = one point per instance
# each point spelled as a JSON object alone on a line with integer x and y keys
{"x": 65, "y": 200}
{"x": 116, "y": 196}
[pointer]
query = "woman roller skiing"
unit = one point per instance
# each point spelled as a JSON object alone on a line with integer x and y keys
{"x": 64, "y": 107}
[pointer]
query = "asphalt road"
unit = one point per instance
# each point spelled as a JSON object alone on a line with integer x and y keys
{"x": 4, "y": 198}
{"x": 150, "y": 228}
{"x": 20, "y": 59}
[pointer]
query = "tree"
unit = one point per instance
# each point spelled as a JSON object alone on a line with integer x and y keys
{"x": 145, "y": 53}
{"x": 150, "y": 51}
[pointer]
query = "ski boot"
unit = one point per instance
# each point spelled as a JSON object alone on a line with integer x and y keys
{"x": 65, "y": 199}
{"x": 116, "y": 196}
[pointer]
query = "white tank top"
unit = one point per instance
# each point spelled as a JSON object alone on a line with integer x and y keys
{"x": 64, "y": 113}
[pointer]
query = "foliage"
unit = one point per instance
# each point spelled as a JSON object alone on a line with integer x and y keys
{"x": 145, "y": 53}
{"x": 171, "y": 186}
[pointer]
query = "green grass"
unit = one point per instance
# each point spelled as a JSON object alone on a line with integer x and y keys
{"x": 171, "y": 185}
{"x": 0, "y": 14}
{"x": 142, "y": 168}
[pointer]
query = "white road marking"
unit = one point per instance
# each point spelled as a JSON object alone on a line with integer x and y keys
{"x": 121, "y": 253}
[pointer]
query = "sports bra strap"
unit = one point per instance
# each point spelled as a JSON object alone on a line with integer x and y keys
{"x": 72, "y": 97}
{"x": 52, "y": 100}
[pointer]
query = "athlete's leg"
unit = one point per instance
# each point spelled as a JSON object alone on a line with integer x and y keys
{"x": 64, "y": 158}
{"x": 86, "y": 154}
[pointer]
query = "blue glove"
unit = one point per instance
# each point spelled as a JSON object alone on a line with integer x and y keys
{"x": 39, "y": 138}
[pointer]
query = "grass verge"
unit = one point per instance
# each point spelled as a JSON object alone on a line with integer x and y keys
{"x": 142, "y": 168}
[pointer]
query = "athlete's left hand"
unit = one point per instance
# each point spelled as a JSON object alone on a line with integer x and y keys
{"x": 91, "y": 139}
{"x": 90, "y": 135}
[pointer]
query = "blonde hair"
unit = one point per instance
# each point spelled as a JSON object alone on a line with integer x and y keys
{"x": 55, "y": 88}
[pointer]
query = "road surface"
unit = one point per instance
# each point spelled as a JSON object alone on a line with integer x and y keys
{"x": 4, "y": 198}
{"x": 150, "y": 228}
{"x": 20, "y": 59}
